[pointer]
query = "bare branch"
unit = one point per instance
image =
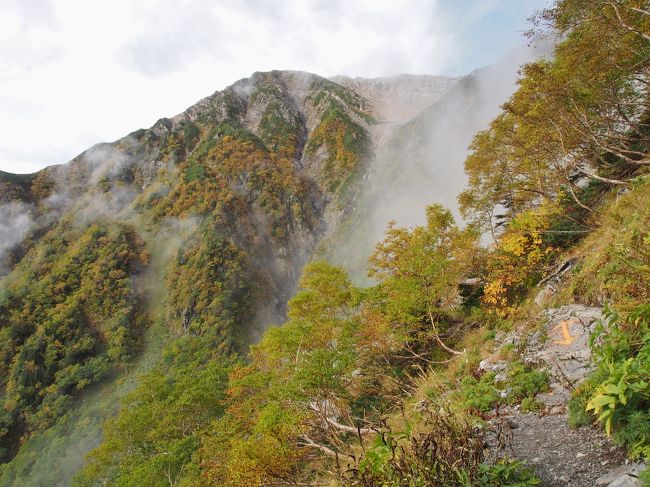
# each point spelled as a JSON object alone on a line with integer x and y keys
{"x": 602, "y": 179}
{"x": 641, "y": 11}
{"x": 339, "y": 426}
{"x": 308, "y": 442}
{"x": 437, "y": 337}
{"x": 575, "y": 197}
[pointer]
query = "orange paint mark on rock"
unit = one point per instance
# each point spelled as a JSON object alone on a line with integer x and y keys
{"x": 567, "y": 338}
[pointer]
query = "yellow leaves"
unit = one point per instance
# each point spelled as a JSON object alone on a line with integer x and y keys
{"x": 495, "y": 295}
{"x": 515, "y": 244}
{"x": 520, "y": 255}
{"x": 493, "y": 290}
{"x": 31, "y": 366}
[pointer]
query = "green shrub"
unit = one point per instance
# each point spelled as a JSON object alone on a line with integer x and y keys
{"x": 448, "y": 453}
{"x": 525, "y": 383}
{"x": 507, "y": 472}
{"x": 621, "y": 396}
{"x": 479, "y": 394}
{"x": 645, "y": 477}
{"x": 522, "y": 384}
{"x": 530, "y": 405}
{"x": 578, "y": 415}
{"x": 636, "y": 434}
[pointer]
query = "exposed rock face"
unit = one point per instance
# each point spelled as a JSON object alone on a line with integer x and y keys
{"x": 562, "y": 346}
{"x": 623, "y": 476}
{"x": 399, "y": 98}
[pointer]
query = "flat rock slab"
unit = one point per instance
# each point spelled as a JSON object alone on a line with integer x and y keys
{"x": 560, "y": 455}
{"x": 562, "y": 343}
{"x": 561, "y": 346}
{"x": 623, "y": 476}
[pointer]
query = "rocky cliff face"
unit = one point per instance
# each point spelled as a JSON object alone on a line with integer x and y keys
{"x": 398, "y": 99}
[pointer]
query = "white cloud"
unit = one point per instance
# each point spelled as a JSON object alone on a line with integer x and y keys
{"x": 76, "y": 72}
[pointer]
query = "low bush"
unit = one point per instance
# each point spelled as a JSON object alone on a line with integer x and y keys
{"x": 479, "y": 395}
{"x": 448, "y": 452}
{"x": 621, "y": 394}
{"x": 524, "y": 383}
{"x": 507, "y": 472}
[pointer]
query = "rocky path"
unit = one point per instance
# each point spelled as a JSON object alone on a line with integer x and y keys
{"x": 561, "y": 456}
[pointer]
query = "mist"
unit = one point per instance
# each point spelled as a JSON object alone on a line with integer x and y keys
{"x": 421, "y": 161}
{"x": 16, "y": 220}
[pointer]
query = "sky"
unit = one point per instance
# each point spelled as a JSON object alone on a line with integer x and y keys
{"x": 77, "y": 72}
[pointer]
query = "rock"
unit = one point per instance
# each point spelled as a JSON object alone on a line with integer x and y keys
{"x": 566, "y": 347}
{"x": 545, "y": 293}
{"x": 625, "y": 481}
{"x": 561, "y": 345}
{"x": 624, "y": 473}
{"x": 559, "y": 409}
{"x": 547, "y": 443}
{"x": 561, "y": 455}
{"x": 489, "y": 365}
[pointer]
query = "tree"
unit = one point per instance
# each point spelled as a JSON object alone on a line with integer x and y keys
{"x": 419, "y": 272}
{"x": 583, "y": 115}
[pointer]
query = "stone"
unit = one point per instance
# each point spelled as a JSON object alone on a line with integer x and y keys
{"x": 625, "y": 481}
{"x": 562, "y": 344}
{"x": 632, "y": 471}
{"x": 545, "y": 293}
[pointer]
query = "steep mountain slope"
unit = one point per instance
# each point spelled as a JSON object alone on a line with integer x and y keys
{"x": 197, "y": 229}
{"x": 239, "y": 186}
{"x": 398, "y": 99}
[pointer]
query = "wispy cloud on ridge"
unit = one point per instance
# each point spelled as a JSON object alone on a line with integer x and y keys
{"x": 75, "y": 73}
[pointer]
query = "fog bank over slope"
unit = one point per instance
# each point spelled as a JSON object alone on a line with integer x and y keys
{"x": 420, "y": 161}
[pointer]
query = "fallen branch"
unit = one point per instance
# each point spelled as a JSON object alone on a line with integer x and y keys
{"x": 339, "y": 426}
{"x": 563, "y": 268}
{"x": 308, "y": 442}
{"x": 437, "y": 337}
